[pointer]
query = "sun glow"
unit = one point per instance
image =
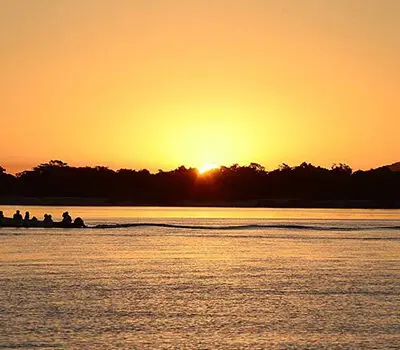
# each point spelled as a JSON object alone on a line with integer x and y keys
{"x": 207, "y": 167}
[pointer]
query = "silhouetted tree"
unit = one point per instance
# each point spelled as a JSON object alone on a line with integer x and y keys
{"x": 342, "y": 168}
{"x": 7, "y": 183}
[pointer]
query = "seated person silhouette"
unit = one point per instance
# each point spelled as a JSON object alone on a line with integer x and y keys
{"x": 48, "y": 221}
{"x": 66, "y": 218}
{"x": 34, "y": 221}
{"x": 78, "y": 222}
{"x": 26, "y": 218}
{"x": 17, "y": 216}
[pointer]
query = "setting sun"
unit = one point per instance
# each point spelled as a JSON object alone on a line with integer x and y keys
{"x": 207, "y": 167}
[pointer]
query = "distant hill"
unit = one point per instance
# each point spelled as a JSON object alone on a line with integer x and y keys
{"x": 394, "y": 166}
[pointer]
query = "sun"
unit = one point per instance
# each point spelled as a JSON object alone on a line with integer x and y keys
{"x": 207, "y": 167}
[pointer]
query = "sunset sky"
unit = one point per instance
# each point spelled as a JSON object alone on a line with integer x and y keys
{"x": 156, "y": 84}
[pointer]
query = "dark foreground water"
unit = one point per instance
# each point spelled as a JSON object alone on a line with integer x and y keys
{"x": 267, "y": 278}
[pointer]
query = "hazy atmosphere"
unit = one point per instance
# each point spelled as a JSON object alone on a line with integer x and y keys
{"x": 199, "y": 174}
{"x": 156, "y": 84}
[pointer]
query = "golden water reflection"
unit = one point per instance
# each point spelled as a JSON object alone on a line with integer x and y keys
{"x": 93, "y": 213}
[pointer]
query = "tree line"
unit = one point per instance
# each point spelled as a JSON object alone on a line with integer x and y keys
{"x": 235, "y": 183}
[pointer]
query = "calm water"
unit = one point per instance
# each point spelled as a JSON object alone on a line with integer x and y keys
{"x": 331, "y": 279}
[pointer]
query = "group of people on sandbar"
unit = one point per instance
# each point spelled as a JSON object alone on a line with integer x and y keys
{"x": 19, "y": 221}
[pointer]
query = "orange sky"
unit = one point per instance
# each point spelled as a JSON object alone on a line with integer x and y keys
{"x": 156, "y": 84}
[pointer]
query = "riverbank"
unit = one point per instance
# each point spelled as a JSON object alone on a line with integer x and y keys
{"x": 260, "y": 203}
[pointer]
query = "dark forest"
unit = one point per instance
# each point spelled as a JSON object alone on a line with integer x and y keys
{"x": 304, "y": 185}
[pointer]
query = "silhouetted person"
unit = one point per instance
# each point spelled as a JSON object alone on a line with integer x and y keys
{"x": 17, "y": 216}
{"x": 34, "y": 221}
{"x": 66, "y": 218}
{"x": 48, "y": 221}
{"x": 26, "y": 218}
{"x": 78, "y": 222}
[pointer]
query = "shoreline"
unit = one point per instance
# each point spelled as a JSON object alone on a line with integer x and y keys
{"x": 260, "y": 203}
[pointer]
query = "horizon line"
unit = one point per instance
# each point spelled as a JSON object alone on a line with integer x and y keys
{"x": 198, "y": 168}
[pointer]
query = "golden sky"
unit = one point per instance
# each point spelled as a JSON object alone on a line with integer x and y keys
{"x": 159, "y": 83}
